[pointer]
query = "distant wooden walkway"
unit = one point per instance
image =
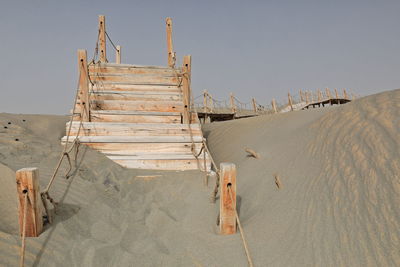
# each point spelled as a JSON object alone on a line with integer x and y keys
{"x": 210, "y": 109}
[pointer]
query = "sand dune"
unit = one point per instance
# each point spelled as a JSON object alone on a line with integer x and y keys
{"x": 337, "y": 205}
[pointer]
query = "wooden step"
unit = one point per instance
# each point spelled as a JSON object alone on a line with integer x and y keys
{"x": 135, "y": 79}
{"x": 163, "y": 164}
{"x": 143, "y": 129}
{"x": 130, "y": 105}
{"x": 111, "y": 68}
{"x": 131, "y": 148}
{"x": 156, "y": 156}
{"x": 134, "y": 117}
{"x": 113, "y": 86}
{"x": 129, "y": 95}
{"x": 135, "y": 139}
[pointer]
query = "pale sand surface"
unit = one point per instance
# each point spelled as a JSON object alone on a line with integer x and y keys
{"x": 338, "y": 205}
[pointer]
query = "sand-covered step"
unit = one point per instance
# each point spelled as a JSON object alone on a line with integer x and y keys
{"x": 156, "y": 156}
{"x": 110, "y": 68}
{"x": 130, "y": 148}
{"x": 134, "y": 117}
{"x": 135, "y": 139}
{"x": 137, "y": 129}
{"x": 136, "y": 96}
{"x": 114, "y": 86}
{"x": 135, "y": 79}
{"x": 131, "y": 105}
{"x": 163, "y": 164}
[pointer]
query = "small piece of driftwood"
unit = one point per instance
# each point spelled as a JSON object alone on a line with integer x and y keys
{"x": 277, "y": 181}
{"x": 252, "y": 153}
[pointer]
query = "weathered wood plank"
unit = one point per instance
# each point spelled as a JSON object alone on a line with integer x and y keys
{"x": 154, "y": 156}
{"x": 134, "y": 139}
{"x": 136, "y": 87}
{"x": 129, "y": 105}
{"x": 170, "y": 48}
{"x": 102, "y": 38}
{"x": 162, "y": 164}
{"x": 136, "y": 97}
{"x": 28, "y": 183}
{"x": 130, "y": 148}
{"x": 135, "y": 118}
{"x": 187, "y": 68}
{"x": 131, "y": 69}
{"x": 135, "y": 79}
{"x": 83, "y": 85}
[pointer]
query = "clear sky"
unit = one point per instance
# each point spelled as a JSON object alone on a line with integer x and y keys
{"x": 259, "y": 49}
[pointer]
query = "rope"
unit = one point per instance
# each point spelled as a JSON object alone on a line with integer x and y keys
{"x": 246, "y": 248}
{"x": 108, "y": 37}
{"x": 22, "y": 252}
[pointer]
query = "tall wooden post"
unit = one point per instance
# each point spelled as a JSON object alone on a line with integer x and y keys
{"x": 83, "y": 85}
{"x": 312, "y": 96}
{"x": 187, "y": 70}
{"x": 211, "y": 101}
{"x": 227, "y": 217}
{"x": 170, "y": 48}
{"x": 102, "y": 38}
{"x": 328, "y": 93}
{"x": 205, "y": 96}
{"x": 336, "y": 93}
{"x": 290, "y": 101}
{"x": 307, "y": 99}
{"x": 28, "y": 185}
{"x": 319, "y": 95}
{"x": 253, "y": 100}
{"x": 118, "y": 55}
{"x": 273, "y": 103}
{"x": 233, "y": 106}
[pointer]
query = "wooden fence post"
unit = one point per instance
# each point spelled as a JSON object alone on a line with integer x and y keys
{"x": 328, "y": 93}
{"x": 28, "y": 183}
{"x": 336, "y": 93}
{"x": 227, "y": 217}
{"x": 205, "y": 95}
{"x": 312, "y": 96}
{"x": 307, "y": 99}
{"x": 211, "y": 102}
{"x": 83, "y": 85}
{"x": 345, "y": 93}
{"x": 102, "y": 38}
{"x": 273, "y": 103}
{"x": 253, "y": 100}
{"x": 170, "y": 48}
{"x": 301, "y": 95}
{"x": 319, "y": 95}
{"x": 118, "y": 55}
{"x": 233, "y": 106}
{"x": 290, "y": 101}
{"x": 187, "y": 70}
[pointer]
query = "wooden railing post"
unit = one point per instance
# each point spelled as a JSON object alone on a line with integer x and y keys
{"x": 319, "y": 95}
{"x": 233, "y": 106}
{"x": 328, "y": 93}
{"x": 227, "y": 217}
{"x": 290, "y": 103}
{"x": 253, "y": 100}
{"x": 336, "y": 93}
{"x": 187, "y": 72}
{"x": 102, "y": 38}
{"x": 83, "y": 85}
{"x": 118, "y": 55}
{"x": 28, "y": 185}
{"x": 301, "y": 95}
{"x": 170, "y": 48}
{"x": 312, "y": 96}
{"x": 273, "y": 104}
{"x": 307, "y": 99}
{"x": 205, "y": 96}
{"x": 345, "y": 96}
{"x": 211, "y": 102}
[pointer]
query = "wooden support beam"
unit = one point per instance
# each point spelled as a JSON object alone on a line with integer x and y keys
{"x": 84, "y": 102}
{"x": 290, "y": 103}
{"x": 227, "y": 217}
{"x": 233, "y": 106}
{"x": 273, "y": 104}
{"x": 102, "y": 38}
{"x": 83, "y": 85}
{"x": 28, "y": 184}
{"x": 118, "y": 55}
{"x": 170, "y": 48}
{"x": 187, "y": 70}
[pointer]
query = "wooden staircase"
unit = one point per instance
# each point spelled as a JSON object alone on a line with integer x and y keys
{"x": 138, "y": 116}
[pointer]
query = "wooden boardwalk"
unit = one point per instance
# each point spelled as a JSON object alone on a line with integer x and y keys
{"x": 138, "y": 116}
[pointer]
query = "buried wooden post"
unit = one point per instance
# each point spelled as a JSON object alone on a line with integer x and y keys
{"x": 118, "y": 55}
{"x": 227, "y": 217}
{"x": 28, "y": 184}
{"x": 233, "y": 106}
{"x": 102, "y": 38}
{"x": 290, "y": 101}
{"x": 253, "y": 100}
{"x": 187, "y": 70}
{"x": 273, "y": 103}
{"x": 170, "y": 48}
{"x": 83, "y": 85}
